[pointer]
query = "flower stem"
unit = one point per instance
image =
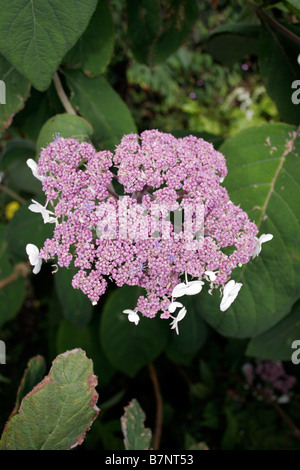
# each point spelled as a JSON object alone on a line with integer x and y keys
{"x": 12, "y": 194}
{"x": 62, "y": 96}
{"x": 159, "y": 403}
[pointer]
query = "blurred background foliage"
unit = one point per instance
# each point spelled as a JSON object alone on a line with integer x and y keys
{"x": 211, "y": 68}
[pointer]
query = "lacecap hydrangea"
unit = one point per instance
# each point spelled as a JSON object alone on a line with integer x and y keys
{"x": 167, "y": 231}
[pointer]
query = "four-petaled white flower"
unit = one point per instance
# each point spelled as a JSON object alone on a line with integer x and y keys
{"x": 132, "y": 316}
{"x": 259, "y": 241}
{"x": 211, "y": 275}
{"x": 34, "y": 257}
{"x": 46, "y": 214}
{"x": 231, "y": 290}
{"x": 180, "y": 316}
{"x": 187, "y": 288}
{"x": 34, "y": 168}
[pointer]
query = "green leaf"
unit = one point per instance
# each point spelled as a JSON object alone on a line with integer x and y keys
{"x": 192, "y": 335}
{"x": 36, "y": 35}
{"x": 295, "y": 3}
{"x": 156, "y": 29}
{"x": 33, "y": 374}
{"x": 144, "y": 23}
{"x": 70, "y": 337}
{"x": 63, "y": 125}
{"x": 77, "y": 308}
{"x": 56, "y": 414}
{"x": 229, "y": 43}
{"x": 102, "y": 107}
{"x": 130, "y": 347}
{"x": 276, "y": 343}
{"x": 13, "y": 163}
{"x": 263, "y": 177}
{"x": 13, "y": 294}
{"x": 136, "y": 436}
{"x": 94, "y": 48}
{"x": 16, "y": 92}
{"x": 279, "y": 68}
{"x": 27, "y": 227}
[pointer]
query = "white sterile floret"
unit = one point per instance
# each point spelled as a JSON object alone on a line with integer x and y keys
{"x": 231, "y": 290}
{"x": 173, "y": 305}
{"x": 132, "y": 316}
{"x": 189, "y": 288}
{"x": 259, "y": 241}
{"x": 211, "y": 275}
{"x": 180, "y": 316}
{"x": 34, "y": 168}
{"x": 34, "y": 257}
{"x": 46, "y": 214}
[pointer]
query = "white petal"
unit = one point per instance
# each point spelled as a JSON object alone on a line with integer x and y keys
{"x": 128, "y": 311}
{"x": 132, "y": 316}
{"x": 181, "y": 314}
{"x": 191, "y": 288}
{"x": 265, "y": 238}
{"x": 37, "y": 266}
{"x": 212, "y": 276}
{"x": 180, "y": 290}
{"x": 231, "y": 291}
{"x": 194, "y": 287}
{"x": 33, "y": 253}
{"x": 34, "y": 168}
{"x": 173, "y": 305}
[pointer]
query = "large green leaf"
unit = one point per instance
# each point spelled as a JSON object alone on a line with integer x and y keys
{"x": 295, "y": 3}
{"x": 63, "y": 125}
{"x": 16, "y": 92}
{"x": 94, "y": 48}
{"x": 263, "y": 177}
{"x": 231, "y": 42}
{"x": 27, "y": 227}
{"x": 13, "y": 294}
{"x": 136, "y": 436}
{"x": 36, "y": 34}
{"x": 33, "y": 374}
{"x": 156, "y": 29}
{"x": 276, "y": 343}
{"x": 102, "y": 107}
{"x": 130, "y": 347}
{"x": 76, "y": 307}
{"x": 59, "y": 410}
{"x": 279, "y": 68}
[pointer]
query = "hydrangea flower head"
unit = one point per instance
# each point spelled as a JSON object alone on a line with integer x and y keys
{"x": 131, "y": 238}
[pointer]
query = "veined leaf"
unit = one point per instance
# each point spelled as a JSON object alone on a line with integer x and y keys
{"x": 263, "y": 177}
{"x": 59, "y": 410}
{"x": 16, "y": 91}
{"x": 136, "y": 436}
{"x": 36, "y": 34}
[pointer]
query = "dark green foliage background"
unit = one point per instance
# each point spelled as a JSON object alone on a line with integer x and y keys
{"x": 222, "y": 70}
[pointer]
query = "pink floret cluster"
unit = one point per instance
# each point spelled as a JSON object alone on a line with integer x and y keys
{"x": 270, "y": 378}
{"x": 153, "y": 168}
